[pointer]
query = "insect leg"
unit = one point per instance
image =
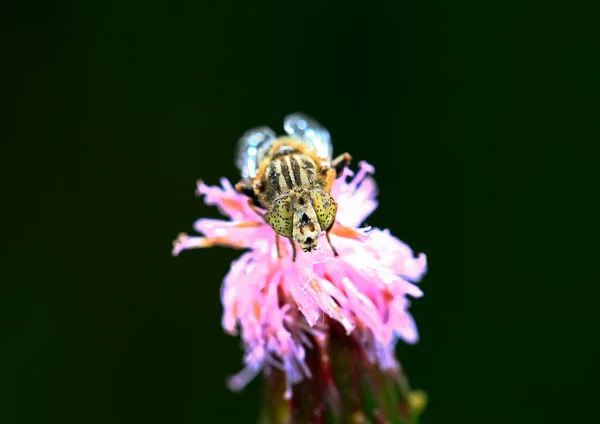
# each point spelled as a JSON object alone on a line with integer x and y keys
{"x": 277, "y": 245}
{"x": 293, "y": 250}
{"x": 245, "y": 187}
{"x": 255, "y": 208}
{"x": 340, "y": 163}
{"x": 335, "y": 253}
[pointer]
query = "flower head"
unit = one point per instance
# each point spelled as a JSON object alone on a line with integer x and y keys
{"x": 279, "y": 305}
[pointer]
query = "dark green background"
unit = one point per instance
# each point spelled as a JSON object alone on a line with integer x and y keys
{"x": 481, "y": 118}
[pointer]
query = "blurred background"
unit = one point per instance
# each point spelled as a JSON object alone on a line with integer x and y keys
{"x": 481, "y": 119}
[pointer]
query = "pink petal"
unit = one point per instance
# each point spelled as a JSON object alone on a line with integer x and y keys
{"x": 365, "y": 288}
{"x": 227, "y": 200}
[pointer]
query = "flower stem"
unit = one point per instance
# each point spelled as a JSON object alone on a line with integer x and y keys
{"x": 345, "y": 388}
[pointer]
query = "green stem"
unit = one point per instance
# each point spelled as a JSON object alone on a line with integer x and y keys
{"x": 345, "y": 388}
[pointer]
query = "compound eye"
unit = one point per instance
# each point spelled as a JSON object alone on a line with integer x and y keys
{"x": 325, "y": 207}
{"x": 280, "y": 216}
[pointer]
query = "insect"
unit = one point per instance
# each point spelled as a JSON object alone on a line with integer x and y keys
{"x": 290, "y": 177}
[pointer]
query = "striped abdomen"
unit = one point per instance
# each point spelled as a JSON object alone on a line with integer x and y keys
{"x": 287, "y": 172}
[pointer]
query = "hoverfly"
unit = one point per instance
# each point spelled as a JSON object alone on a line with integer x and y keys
{"x": 290, "y": 177}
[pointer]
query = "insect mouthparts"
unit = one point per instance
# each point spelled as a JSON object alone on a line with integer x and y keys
{"x": 305, "y": 219}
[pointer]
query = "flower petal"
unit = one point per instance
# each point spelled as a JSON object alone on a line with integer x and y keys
{"x": 365, "y": 288}
{"x": 184, "y": 242}
{"x": 227, "y": 200}
{"x": 356, "y": 199}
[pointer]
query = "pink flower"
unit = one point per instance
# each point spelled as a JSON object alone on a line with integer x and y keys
{"x": 275, "y": 303}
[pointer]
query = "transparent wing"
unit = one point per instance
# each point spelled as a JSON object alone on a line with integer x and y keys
{"x": 309, "y": 131}
{"x": 251, "y": 147}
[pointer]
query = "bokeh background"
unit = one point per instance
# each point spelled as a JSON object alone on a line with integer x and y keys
{"x": 481, "y": 119}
